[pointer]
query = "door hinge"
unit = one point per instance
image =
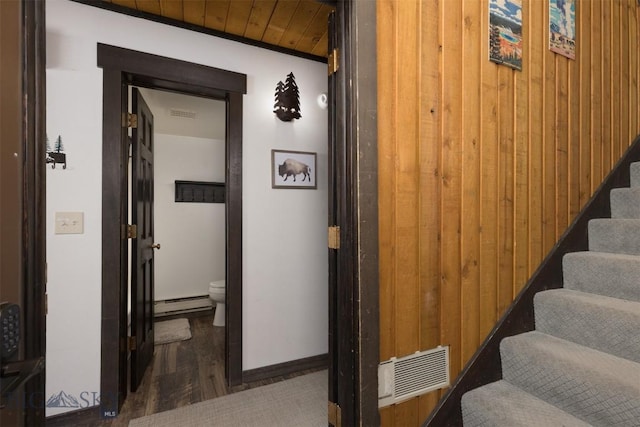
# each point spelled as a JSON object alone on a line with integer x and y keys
{"x": 46, "y": 304}
{"x": 333, "y": 61}
{"x": 131, "y": 343}
{"x": 132, "y": 120}
{"x": 334, "y": 414}
{"x": 334, "y": 237}
{"x": 132, "y": 231}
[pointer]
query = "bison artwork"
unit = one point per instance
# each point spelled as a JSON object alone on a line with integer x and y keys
{"x": 291, "y": 167}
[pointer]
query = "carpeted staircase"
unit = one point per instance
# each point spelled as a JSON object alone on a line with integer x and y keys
{"x": 581, "y": 366}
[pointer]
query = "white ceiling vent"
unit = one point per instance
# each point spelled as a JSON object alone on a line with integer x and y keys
{"x": 174, "y": 112}
{"x": 402, "y": 378}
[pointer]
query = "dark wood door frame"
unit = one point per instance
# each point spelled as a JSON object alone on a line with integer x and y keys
{"x": 356, "y": 297}
{"x": 22, "y": 187}
{"x": 123, "y": 67}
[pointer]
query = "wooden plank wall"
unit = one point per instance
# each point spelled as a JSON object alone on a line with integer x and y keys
{"x": 483, "y": 167}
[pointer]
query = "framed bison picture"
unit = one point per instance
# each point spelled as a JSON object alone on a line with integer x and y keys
{"x": 293, "y": 169}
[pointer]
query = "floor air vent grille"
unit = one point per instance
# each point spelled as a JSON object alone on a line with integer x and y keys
{"x": 400, "y": 379}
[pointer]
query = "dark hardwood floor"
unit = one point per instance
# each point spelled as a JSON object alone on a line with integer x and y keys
{"x": 180, "y": 374}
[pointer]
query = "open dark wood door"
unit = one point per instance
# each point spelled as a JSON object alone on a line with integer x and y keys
{"x": 142, "y": 246}
{"x": 341, "y": 280}
{"x": 353, "y": 254}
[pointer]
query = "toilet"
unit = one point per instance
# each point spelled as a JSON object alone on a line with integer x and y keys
{"x": 216, "y": 293}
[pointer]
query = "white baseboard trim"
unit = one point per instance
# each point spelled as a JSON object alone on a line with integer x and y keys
{"x": 182, "y": 305}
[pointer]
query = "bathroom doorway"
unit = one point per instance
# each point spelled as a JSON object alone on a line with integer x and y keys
{"x": 178, "y": 206}
{"x": 145, "y": 70}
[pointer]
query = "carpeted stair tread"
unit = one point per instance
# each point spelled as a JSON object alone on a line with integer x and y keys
{"x": 635, "y": 174}
{"x": 625, "y": 203}
{"x": 596, "y": 387}
{"x": 593, "y": 272}
{"x": 603, "y": 323}
{"x": 615, "y": 235}
{"x": 503, "y": 404}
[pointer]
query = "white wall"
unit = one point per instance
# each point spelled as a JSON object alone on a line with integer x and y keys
{"x": 284, "y": 237}
{"x": 192, "y": 235}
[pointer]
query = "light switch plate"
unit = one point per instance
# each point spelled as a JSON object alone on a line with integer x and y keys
{"x": 69, "y": 223}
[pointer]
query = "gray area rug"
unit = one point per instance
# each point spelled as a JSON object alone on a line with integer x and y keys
{"x": 171, "y": 330}
{"x": 298, "y": 402}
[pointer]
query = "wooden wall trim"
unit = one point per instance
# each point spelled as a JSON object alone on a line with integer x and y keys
{"x": 163, "y": 68}
{"x": 318, "y": 362}
{"x": 34, "y": 197}
{"x": 233, "y": 330}
{"x": 364, "y": 152}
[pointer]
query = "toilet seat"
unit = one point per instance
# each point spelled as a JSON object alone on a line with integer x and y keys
{"x": 217, "y": 285}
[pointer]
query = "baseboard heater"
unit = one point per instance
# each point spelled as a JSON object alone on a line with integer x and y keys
{"x": 400, "y": 379}
{"x": 170, "y": 307}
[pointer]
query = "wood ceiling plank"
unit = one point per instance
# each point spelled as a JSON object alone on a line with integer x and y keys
{"x": 300, "y": 21}
{"x": 259, "y": 18}
{"x": 238, "y": 16}
{"x": 321, "y": 48}
{"x": 316, "y": 29}
{"x": 149, "y": 6}
{"x": 193, "y": 11}
{"x": 215, "y": 16}
{"x": 279, "y": 21}
{"x": 172, "y": 9}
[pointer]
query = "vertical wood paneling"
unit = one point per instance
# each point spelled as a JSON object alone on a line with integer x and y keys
{"x": 616, "y": 61}
{"x": 596, "y": 91}
{"x": 521, "y": 196}
{"x": 583, "y": 49}
{"x": 625, "y": 15}
{"x": 407, "y": 308}
{"x": 506, "y": 118}
{"x": 634, "y": 67}
{"x": 536, "y": 77}
{"x": 562, "y": 146}
{"x": 605, "y": 120}
{"x": 430, "y": 183}
{"x": 406, "y": 173}
{"x": 387, "y": 61}
{"x": 488, "y": 187}
{"x": 481, "y": 167}
{"x": 470, "y": 203}
{"x": 573, "y": 131}
{"x": 451, "y": 140}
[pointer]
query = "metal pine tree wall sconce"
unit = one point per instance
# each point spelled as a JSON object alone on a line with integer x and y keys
{"x": 57, "y": 155}
{"x": 287, "y": 97}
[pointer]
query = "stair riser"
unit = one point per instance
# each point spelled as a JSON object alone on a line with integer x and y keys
{"x": 592, "y": 386}
{"x": 592, "y": 272}
{"x": 625, "y": 203}
{"x": 620, "y": 236}
{"x": 635, "y": 174}
{"x": 601, "y": 323}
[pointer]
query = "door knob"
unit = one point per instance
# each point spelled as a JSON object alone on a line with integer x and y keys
{"x": 155, "y": 246}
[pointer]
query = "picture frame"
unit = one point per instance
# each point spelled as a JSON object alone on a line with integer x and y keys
{"x": 562, "y": 27}
{"x": 505, "y": 33}
{"x": 293, "y": 169}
